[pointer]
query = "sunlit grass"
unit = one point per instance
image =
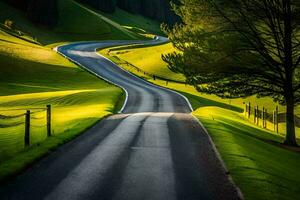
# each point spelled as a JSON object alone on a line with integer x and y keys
{"x": 31, "y": 53}
{"x": 32, "y": 77}
{"x": 69, "y": 108}
{"x": 147, "y": 59}
{"x": 261, "y": 169}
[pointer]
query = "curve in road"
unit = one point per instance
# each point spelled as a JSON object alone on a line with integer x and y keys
{"x": 153, "y": 150}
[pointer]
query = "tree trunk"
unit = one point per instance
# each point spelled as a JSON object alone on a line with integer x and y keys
{"x": 290, "y": 138}
{"x": 289, "y": 89}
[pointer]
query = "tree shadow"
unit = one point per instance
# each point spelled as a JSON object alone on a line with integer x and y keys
{"x": 198, "y": 102}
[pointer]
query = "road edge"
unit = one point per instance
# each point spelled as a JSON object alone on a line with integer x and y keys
{"x": 56, "y": 49}
{"x": 218, "y": 155}
{"x": 157, "y": 86}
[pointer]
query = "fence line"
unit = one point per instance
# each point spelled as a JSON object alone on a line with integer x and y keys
{"x": 28, "y": 116}
{"x": 154, "y": 76}
{"x": 262, "y": 116}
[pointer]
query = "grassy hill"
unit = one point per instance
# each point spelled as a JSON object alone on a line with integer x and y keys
{"x": 32, "y": 80}
{"x": 135, "y": 23}
{"x": 76, "y": 22}
{"x": 32, "y": 75}
{"x": 146, "y": 59}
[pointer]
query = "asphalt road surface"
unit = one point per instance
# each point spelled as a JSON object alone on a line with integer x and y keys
{"x": 153, "y": 150}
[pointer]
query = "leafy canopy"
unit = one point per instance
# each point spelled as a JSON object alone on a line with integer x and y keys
{"x": 238, "y": 48}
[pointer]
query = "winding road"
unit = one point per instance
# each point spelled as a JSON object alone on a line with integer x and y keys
{"x": 152, "y": 150}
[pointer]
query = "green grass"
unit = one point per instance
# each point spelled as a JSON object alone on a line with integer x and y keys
{"x": 261, "y": 169}
{"x": 135, "y": 23}
{"x": 255, "y": 158}
{"x": 147, "y": 59}
{"x": 117, "y": 31}
{"x": 33, "y": 80}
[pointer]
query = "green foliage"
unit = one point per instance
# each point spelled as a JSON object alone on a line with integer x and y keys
{"x": 239, "y": 49}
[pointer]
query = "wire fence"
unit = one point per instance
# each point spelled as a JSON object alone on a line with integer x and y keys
{"x": 23, "y": 127}
{"x": 139, "y": 70}
{"x": 260, "y": 116}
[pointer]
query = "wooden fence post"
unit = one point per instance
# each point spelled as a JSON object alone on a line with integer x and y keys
{"x": 255, "y": 113}
{"x": 27, "y": 129}
{"x": 249, "y": 110}
{"x": 48, "y": 120}
{"x": 275, "y": 119}
{"x": 257, "y": 116}
{"x": 264, "y": 118}
{"x": 266, "y": 111}
{"x": 277, "y": 130}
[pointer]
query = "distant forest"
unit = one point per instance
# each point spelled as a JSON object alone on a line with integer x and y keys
{"x": 45, "y": 12}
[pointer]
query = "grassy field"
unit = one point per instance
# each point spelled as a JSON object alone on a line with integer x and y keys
{"x": 135, "y": 23}
{"x": 30, "y": 81}
{"x": 146, "y": 59}
{"x": 258, "y": 163}
{"x": 258, "y": 166}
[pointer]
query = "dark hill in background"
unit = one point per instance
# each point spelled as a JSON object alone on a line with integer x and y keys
{"x": 45, "y": 12}
{"x": 108, "y": 6}
{"x": 42, "y": 12}
{"x": 155, "y": 9}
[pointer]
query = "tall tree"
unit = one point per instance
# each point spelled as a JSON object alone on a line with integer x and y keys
{"x": 241, "y": 48}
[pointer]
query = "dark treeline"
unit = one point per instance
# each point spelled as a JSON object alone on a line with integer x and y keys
{"x": 155, "y": 9}
{"x": 38, "y": 11}
{"x": 45, "y": 12}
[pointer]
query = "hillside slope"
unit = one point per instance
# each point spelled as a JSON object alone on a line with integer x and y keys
{"x": 30, "y": 80}
{"x": 76, "y": 22}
